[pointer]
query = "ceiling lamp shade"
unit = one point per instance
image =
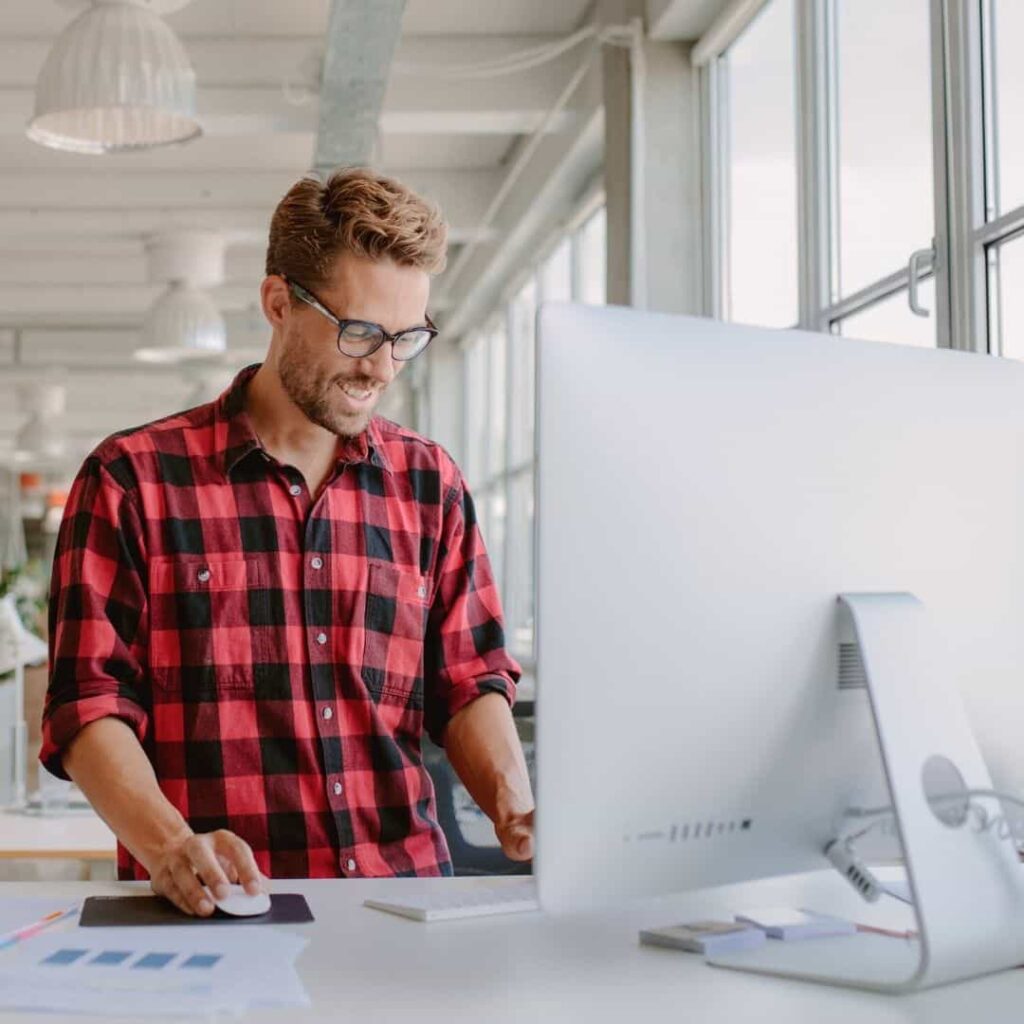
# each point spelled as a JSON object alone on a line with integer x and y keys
{"x": 116, "y": 79}
{"x": 184, "y": 324}
{"x": 42, "y": 439}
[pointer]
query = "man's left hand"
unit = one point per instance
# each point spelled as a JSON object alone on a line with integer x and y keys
{"x": 515, "y": 833}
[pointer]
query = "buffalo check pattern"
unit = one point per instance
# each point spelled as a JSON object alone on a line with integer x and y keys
{"x": 278, "y": 654}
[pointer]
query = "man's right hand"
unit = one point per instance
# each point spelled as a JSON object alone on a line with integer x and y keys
{"x": 213, "y": 859}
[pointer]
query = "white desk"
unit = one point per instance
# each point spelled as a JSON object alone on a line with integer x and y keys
{"x": 79, "y": 836}
{"x": 365, "y": 966}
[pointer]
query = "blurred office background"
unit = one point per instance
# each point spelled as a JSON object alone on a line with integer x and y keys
{"x": 853, "y": 167}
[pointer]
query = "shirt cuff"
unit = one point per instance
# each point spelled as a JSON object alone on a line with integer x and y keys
{"x": 464, "y": 693}
{"x": 61, "y": 725}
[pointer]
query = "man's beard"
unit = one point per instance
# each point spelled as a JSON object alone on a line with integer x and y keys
{"x": 314, "y": 399}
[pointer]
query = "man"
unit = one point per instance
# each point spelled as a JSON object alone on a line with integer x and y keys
{"x": 259, "y": 605}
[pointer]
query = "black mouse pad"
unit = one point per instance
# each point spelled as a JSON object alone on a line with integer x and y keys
{"x": 121, "y": 911}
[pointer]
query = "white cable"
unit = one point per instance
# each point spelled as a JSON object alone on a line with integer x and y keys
{"x": 841, "y": 853}
{"x": 513, "y": 63}
{"x": 616, "y": 35}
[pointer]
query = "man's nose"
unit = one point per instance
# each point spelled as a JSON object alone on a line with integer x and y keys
{"x": 380, "y": 365}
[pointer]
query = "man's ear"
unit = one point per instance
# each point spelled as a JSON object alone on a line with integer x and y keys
{"x": 276, "y": 300}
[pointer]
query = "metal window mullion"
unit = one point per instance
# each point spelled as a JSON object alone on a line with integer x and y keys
{"x": 960, "y": 177}
{"x": 711, "y": 189}
{"x": 816, "y": 159}
{"x": 512, "y": 413}
{"x": 722, "y": 113}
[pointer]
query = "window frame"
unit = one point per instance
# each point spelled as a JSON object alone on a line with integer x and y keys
{"x": 967, "y": 234}
{"x": 590, "y": 203}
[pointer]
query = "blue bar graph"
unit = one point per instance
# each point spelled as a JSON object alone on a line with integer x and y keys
{"x": 202, "y": 960}
{"x": 65, "y": 956}
{"x": 154, "y": 961}
{"x": 111, "y": 957}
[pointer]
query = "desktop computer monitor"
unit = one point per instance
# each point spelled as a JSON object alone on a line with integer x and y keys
{"x": 705, "y": 492}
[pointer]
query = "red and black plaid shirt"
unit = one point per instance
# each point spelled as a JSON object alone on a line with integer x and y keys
{"x": 278, "y": 655}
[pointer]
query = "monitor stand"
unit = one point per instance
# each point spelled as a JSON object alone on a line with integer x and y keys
{"x": 967, "y": 883}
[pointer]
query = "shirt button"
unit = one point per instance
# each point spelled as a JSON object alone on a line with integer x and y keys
{"x": 321, "y": 638}
{"x": 317, "y": 562}
{"x": 350, "y": 864}
{"x": 203, "y": 575}
{"x": 295, "y": 490}
{"x": 337, "y": 789}
{"x": 327, "y": 713}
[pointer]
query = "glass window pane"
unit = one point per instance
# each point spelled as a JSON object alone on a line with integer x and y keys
{"x": 762, "y": 270}
{"x": 494, "y": 539}
{"x": 1008, "y": 293}
{"x": 1008, "y": 31}
{"x": 891, "y": 320}
{"x": 522, "y": 321}
{"x": 475, "y": 432}
{"x": 556, "y": 275}
{"x": 497, "y": 410}
{"x": 591, "y": 257}
{"x": 519, "y": 592}
{"x": 885, "y": 139}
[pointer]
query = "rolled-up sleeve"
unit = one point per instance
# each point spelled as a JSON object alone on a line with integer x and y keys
{"x": 464, "y": 656}
{"x": 97, "y": 615}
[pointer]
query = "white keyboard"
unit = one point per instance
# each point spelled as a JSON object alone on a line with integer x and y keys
{"x": 450, "y": 902}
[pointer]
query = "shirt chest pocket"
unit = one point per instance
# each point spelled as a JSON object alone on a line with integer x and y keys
{"x": 394, "y": 627}
{"x": 202, "y": 617}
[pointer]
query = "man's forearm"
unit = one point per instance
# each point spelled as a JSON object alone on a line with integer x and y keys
{"x": 110, "y": 767}
{"x": 484, "y": 749}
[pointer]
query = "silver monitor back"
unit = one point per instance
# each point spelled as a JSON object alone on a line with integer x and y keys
{"x": 704, "y": 492}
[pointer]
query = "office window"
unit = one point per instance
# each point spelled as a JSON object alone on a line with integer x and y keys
{"x": 497, "y": 405}
{"x": 886, "y": 198}
{"x": 590, "y": 244}
{"x": 891, "y": 319}
{"x": 1006, "y": 290}
{"x": 556, "y": 274}
{"x": 819, "y": 134}
{"x": 758, "y": 125}
{"x": 499, "y": 374}
{"x": 1007, "y": 31}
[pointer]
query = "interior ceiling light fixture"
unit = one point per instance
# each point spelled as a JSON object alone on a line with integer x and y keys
{"x": 41, "y": 439}
{"x": 116, "y": 79}
{"x": 184, "y": 324}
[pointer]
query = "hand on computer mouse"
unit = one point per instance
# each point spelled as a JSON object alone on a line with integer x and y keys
{"x": 194, "y": 860}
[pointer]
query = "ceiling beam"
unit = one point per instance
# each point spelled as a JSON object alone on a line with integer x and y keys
{"x": 490, "y": 107}
{"x": 361, "y": 40}
{"x": 248, "y": 61}
{"x": 681, "y": 20}
{"x": 55, "y": 230}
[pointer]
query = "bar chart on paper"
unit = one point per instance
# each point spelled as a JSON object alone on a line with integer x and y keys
{"x": 116, "y": 971}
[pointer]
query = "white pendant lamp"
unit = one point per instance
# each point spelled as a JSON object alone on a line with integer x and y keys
{"x": 183, "y": 325}
{"x": 42, "y": 440}
{"x": 116, "y": 79}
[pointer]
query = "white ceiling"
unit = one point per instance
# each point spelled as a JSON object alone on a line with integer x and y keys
{"x": 73, "y": 286}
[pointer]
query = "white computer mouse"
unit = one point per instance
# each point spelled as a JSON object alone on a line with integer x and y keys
{"x": 238, "y": 903}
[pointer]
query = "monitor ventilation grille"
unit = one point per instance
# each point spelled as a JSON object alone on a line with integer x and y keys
{"x": 851, "y": 668}
{"x": 678, "y": 833}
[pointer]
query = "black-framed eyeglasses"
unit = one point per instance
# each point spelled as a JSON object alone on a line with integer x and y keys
{"x": 358, "y": 339}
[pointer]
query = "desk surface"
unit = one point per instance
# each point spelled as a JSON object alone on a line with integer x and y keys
{"x": 362, "y": 965}
{"x": 80, "y": 836}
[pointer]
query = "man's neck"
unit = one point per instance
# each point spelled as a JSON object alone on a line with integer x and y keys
{"x": 286, "y": 432}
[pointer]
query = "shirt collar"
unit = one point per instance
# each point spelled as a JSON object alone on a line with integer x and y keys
{"x": 235, "y": 438}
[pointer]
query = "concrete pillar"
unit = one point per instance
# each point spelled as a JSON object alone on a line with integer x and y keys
{"x": 652, "y": 171}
